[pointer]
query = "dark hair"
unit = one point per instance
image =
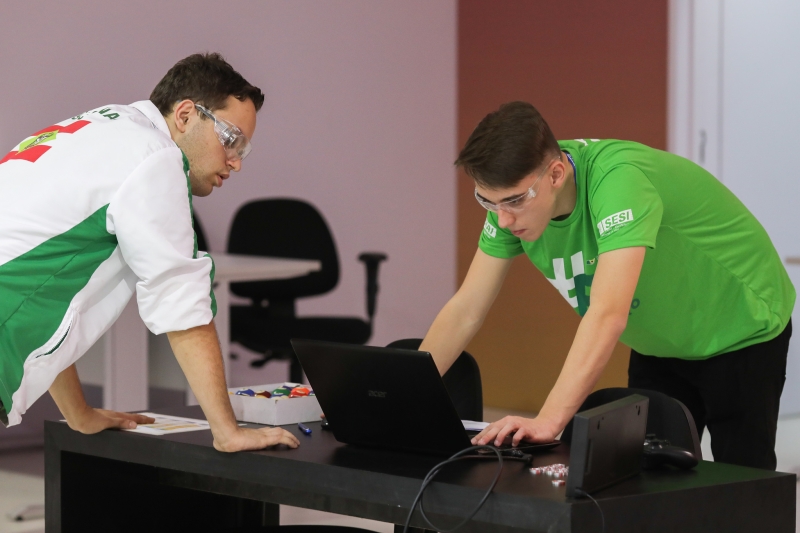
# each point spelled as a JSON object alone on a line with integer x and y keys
{"x": 507, "y": 145}
{"x": 206, "y": 79}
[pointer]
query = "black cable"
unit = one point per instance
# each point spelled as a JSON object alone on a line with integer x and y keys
{"x": 582, "y": 492}
{"x": 460, "y": 456}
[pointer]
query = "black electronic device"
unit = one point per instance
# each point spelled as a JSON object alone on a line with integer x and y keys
{"x": 659, "y": 452}
{"x": 386, "y": 397}
{"x": 606, "y": 444}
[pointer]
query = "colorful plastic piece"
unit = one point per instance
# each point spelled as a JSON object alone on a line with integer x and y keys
{"x": 298, "y": 392}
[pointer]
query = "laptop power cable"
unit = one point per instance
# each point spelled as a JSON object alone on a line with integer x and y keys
{"x": 581, "y": 492}
{"x": 463, "y": 455}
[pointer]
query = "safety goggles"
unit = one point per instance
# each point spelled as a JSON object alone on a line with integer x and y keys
{"x": 513, "y": 205}
{"x": 235, "y": 143}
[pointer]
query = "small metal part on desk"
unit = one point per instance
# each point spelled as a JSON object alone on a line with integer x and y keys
{"x": 556, "y": 470}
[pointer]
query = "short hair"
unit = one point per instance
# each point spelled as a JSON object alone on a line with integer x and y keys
{"x": 507, "y": 145}
{"x": 205, "y": 79}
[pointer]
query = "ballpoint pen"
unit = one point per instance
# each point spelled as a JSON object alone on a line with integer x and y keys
{"x": 305, "y": 429}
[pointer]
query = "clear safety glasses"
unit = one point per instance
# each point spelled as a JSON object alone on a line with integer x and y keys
{"x": 235, "y": 143}
{"x": 517, "y": 204}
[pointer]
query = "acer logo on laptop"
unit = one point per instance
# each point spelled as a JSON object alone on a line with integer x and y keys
{"x": 376, "y": 393}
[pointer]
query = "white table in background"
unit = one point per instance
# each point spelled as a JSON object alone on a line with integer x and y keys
{"x": 126, "y": 347}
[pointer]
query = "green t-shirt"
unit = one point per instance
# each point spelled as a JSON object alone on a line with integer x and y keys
{"x": 711, "y": 281}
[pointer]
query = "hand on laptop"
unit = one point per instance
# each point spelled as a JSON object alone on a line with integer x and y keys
{"x": 523, "y": 429}
{"x": 255, "y": 439}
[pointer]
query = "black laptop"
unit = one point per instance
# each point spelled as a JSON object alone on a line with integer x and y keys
{"x": 385, "y": 397}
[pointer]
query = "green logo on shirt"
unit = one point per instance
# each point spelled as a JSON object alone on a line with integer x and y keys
{"x": 33, "y": 141}
{"x": 580, "y": 284}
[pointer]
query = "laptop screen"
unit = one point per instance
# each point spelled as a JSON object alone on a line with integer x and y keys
{"x": 384, "y": 397}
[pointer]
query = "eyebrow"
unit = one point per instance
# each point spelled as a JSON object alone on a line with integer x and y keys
{"x": 503, "y": 200}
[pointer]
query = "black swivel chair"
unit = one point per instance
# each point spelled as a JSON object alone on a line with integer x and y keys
{"x": 462, "y": 381}
{"x": 203, "y": 246}
{"x": 292, "y": 229}
{"x": 667, "y": 418}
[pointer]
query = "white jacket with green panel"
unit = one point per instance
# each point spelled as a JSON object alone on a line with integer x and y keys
{"x": 92, "y": 209}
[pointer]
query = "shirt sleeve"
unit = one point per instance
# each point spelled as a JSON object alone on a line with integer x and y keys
{"x": 497, "y": 241}
{"x": 626, "y": 210}
{"x": 151, "y": 217}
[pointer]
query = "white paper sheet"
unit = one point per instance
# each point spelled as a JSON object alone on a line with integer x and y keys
{"x": 471, "y": 425}
{"x": 167, "y": 425}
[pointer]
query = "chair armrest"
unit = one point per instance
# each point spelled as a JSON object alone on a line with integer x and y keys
{"x": 372, "y": 261}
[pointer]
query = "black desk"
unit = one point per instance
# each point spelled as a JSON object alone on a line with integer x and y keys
{"x": 180, "y": 482}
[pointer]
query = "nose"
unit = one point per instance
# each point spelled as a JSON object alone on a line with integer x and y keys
{"x": 235, "y": 165}
{"x": 504, "y": 218}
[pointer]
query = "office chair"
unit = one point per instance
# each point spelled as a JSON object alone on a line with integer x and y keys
{"x": 667, "y": 418}
{"x": 462, "y": 381}
{"x": 292, "y": 229}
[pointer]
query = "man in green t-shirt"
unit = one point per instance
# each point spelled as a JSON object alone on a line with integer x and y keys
{"x": 672, "y": 263}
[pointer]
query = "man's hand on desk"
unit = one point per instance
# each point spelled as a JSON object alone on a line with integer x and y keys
{"x": 93, "y": 420}
{"x": 68, "y": 395}
{"x": 197, "y": 351}
{"x": 524, "y": 429}
{"x": 243, "y": 439}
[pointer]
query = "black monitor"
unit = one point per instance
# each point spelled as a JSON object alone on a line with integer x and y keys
{"x": 607, "y": 444}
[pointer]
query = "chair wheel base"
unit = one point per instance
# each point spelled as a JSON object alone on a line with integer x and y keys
{"x": 268, "y": 356}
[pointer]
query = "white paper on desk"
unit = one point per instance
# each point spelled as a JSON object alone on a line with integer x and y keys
{"x": 167, "y": 425}
{"x": 471, "y": 425}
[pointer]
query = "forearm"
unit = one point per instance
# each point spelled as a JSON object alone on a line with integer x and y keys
{"x": 67, "y": 393}
{"x": 461, "y": 318}
{"x": 198, "y": 353}
{"x": 591, "y": 349}
{"x": 449, "y": 334}
{"x": 612, "y": 291}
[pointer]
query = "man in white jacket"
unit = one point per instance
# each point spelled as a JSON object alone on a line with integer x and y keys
{"x": 99, "y": 207}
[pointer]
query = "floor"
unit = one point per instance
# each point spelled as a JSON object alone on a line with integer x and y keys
{"x": 22, "y": 471}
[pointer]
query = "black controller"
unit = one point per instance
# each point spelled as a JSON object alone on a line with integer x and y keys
{"x": 658, "y": 452}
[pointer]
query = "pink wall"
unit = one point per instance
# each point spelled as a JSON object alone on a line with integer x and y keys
{"x": 360, "y": 117}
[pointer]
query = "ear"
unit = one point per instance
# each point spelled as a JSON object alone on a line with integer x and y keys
{"x": 558, "y": 174}
{"x": 182, "y": 113}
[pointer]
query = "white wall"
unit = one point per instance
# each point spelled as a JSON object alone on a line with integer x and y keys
{"x": 360, "y": 118}
{"x": 761, "y": 131}
{"x": 735, "y": 75}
